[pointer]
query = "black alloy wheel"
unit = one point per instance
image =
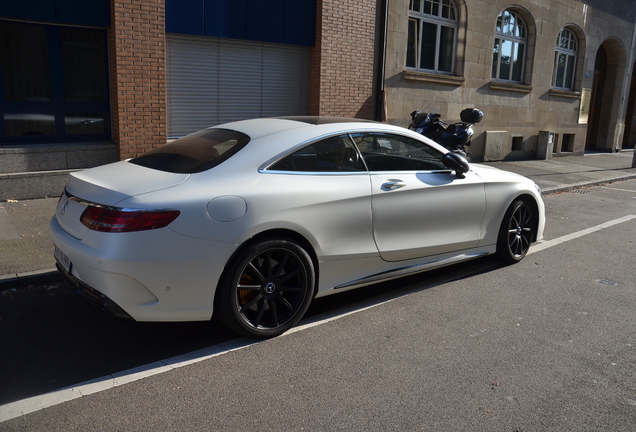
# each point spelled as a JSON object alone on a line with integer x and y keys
{"x": 267, "y": 289}
{"x": 516, "y": 232}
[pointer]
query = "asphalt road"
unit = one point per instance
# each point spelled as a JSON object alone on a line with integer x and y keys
{"x": 546, "y": 344}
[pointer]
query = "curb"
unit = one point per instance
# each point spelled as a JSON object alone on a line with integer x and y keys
{"x": 574, "y": 186}
{"x": 24, "y": 280}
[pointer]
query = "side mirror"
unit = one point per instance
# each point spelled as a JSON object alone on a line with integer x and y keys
{"x": 457, "y": 163}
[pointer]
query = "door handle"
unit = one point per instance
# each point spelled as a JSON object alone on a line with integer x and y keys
{"x": 393, "y": 184}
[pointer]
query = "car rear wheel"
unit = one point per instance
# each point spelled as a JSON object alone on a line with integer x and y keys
{"x": 267, "y": 289}
{"x": 516, "y": 232}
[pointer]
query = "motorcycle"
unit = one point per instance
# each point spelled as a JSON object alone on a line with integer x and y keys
{"x": 455, "y": 136}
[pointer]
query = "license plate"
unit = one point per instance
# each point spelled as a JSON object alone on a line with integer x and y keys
{"x": 62, "y": 260}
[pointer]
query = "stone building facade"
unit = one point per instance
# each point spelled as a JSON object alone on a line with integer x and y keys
{"x": 559, "y": 67}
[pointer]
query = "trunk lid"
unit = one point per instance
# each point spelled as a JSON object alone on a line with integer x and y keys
{"x": 107, "y": 186}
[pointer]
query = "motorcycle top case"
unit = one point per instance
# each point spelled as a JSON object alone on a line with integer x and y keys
{"x": 471, "y": 115}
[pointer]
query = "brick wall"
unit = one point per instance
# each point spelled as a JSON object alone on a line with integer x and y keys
{"x": 343, "y": 59}
{"x": 137, "y": 75}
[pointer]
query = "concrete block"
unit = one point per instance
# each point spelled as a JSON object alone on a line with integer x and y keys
{"x": 31, "y": 158}
{"x": 33, "y": 185}
{"x": 91, "y": 156}
{"x": 495, "y": 148}
{"x": 545, "y": 145}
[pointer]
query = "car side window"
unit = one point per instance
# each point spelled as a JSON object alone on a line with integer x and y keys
{"x": 333, "y": 154}
{"x": 390, "y": 152}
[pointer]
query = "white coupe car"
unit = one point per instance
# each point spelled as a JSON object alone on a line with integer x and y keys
{"x": 251, "y": 220}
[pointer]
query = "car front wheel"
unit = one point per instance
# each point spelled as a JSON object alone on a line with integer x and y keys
{"x": 267, "y": 289}
{"x": 516, "y": 232}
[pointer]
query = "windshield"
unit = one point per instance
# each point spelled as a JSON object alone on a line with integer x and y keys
{"x": 194, "y": 153}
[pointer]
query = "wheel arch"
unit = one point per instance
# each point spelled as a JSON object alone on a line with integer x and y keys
{"x": 279, "y": 234}
{"x": 512, "y": 244}
{"x": 534, "y": 206}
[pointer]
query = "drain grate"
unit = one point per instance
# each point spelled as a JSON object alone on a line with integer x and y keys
{"x": 607, "y": 282}
{"x": 581, "y": 191}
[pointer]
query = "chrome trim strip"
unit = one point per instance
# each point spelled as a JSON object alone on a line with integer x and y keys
{"x": 87, "y": 203}
{"x": 409, "y": 270}
{"x": 265, "y": 166}
{"x": 314, "y": 173}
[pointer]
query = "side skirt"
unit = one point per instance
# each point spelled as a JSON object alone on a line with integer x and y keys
{"x": 411, "y": 269}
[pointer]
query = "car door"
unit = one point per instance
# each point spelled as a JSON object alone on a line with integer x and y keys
{"x": 419, "y": 207}
{"x": 323, "y": 190}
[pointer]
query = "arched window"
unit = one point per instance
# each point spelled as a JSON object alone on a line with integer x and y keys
{"x": 510, "y": 47}
{"x": 431, "y": 35}
{"x": 565, "y": 60}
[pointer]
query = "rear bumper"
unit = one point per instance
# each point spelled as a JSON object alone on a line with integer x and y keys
{"x": 94, "y": 297}
{"x": 153, "y": 276}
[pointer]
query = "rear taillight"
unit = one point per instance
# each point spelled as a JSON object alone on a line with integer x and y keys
{"x": 108, "y": 220}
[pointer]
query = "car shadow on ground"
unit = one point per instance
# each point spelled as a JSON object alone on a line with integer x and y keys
{"x": 52, "y": 339}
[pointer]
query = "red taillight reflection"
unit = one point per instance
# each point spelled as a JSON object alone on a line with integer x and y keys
{"x": 107, "y": 220}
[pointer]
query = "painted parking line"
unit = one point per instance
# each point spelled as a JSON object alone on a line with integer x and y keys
{"x": 618, "y": 189}
{"x": 36, "y": 403}
{"x": 538, "y": 247}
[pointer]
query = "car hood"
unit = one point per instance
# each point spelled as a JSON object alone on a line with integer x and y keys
{"x": 492, "y": 174}
{"x": 481, "y": 167}
{"x": 112, "y": 183}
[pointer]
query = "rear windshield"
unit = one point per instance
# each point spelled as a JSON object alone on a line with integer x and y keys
{"x": 194, "y": 153}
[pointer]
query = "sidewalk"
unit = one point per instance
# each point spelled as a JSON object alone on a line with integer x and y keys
{"x": 572, "y": 172}
{"x": 26, "y": 251}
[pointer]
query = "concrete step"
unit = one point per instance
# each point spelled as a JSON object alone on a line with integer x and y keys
{"x": 33, "y": 185}
{"x": 32, "y": 171}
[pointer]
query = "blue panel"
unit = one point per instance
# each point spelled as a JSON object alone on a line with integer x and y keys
{"x": 39, "y": 10}
{"x": 265, "y": 20}
{"x": 300, "y": 22}
{"x": 184, "y": 16}
{"x": 225, "y": 18}
{"x": 281, "y": 21}
{"x": 96, "y": 13}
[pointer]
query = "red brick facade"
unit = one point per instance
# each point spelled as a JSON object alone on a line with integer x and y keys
{"x": 137, "y": 75}
{"x": 341, "y": 75}
{"x": 343, "y": 59}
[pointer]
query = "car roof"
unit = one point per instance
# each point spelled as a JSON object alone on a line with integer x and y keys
{"x": 272, "y": 137}
{"x": 261, "y": 127}
{"x": 317, "y": 120}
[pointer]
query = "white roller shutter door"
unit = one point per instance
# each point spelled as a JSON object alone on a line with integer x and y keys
{"x": 212, "y": 80}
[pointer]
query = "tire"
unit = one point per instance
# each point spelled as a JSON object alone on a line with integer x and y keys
{"x": 516, "y": 233}
{"x": 266, "y": 289}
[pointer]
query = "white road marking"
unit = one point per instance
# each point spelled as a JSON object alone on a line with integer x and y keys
{"x": 538, "y": 247}
{"x": 36, "y": 403}
{"x": 617, "y": 189}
